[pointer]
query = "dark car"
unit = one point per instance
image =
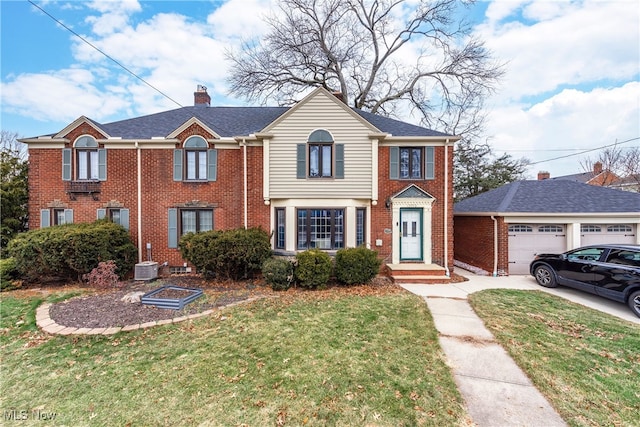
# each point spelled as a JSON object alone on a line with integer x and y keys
{"x": 611, "y": 271}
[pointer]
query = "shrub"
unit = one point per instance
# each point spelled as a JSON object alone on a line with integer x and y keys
{"x": 103, "y": 276}
{"x": 313, "y": 268}
{"x": 278, "y": 272}
{"x": 231, "y": 254}
{"x": 356, "y": 265}
{"x": 8, "y": 273}
{"x": 69, "y": 251}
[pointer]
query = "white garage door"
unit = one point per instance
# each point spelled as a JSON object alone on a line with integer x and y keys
{"x": 597, "y": 234}
{"x": 527, "y": 240}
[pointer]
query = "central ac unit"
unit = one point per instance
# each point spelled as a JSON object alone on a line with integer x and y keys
{"x": 147, "y": 270}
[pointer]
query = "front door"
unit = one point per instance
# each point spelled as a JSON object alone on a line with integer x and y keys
{"x": 411, "y": 234}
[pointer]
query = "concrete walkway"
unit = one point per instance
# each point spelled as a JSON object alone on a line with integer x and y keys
{"x": 496, "y": 391}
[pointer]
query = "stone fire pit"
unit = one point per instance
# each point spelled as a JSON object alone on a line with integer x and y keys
{"x": 171, "y": 296}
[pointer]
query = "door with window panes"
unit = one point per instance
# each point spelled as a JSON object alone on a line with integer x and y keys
{"x": 411, "y": 234}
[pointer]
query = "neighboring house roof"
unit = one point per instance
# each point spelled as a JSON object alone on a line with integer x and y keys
{"x": 550, "y": 196}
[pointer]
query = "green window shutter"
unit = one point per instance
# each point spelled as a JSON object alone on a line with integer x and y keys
{"x": 102, "y": 164}
{"x": 394, "y": 160}
{"x": 45, "y": 218}
{"x": 301, "y": 161}
{"x": 429, "y": 164}
{"x": 68, "y": 216}
{"x": 66, "y": 164}
{"x": 212, "y": 165}
{"x": 177, "y": 165}
{"x": 101, "y": 213}
{"x": 339, "y": 161}
{"x": 124, "y": 218}
{"x": 173, "y": 228}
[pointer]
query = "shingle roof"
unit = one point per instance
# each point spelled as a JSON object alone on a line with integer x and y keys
{"x": 235, "y": 121}
{"x": 549, "y": 196}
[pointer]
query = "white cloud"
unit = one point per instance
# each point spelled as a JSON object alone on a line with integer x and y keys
{"x": 571, "y": 120}
{"x": 566, "y": 45}
{"x": 61, "y": 95}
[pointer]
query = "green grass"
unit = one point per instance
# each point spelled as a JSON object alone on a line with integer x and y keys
{"x": 344, "y": 360}
{"x": 585, "y": 362}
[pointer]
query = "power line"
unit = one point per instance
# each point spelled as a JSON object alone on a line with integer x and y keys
{"x": 106, "y": 55}
{"x": 586, "y": 151}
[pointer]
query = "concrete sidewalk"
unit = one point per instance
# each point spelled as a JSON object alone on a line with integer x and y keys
{"x": 496, "y": 391}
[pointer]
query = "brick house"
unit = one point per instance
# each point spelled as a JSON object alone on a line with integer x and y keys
{"x": 316, "y": 175}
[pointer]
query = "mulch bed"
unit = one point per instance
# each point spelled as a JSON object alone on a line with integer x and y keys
{"x": 105, "y": 309}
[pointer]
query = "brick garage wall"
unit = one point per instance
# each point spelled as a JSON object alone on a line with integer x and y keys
{"x": 381, "y": 216}
{"x": 474, "y": 237}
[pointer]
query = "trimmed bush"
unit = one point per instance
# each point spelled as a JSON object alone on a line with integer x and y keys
{"x": 8, "y": 273}
{"x": 313, "y": 269}
{"x": 231, "y": 254}
{"x": 278, "y": 272}
{"x": 69, "y": 251}
{"x": 356, "y": 265}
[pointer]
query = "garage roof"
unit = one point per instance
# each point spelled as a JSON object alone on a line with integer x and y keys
{"x": 550, "y": 196}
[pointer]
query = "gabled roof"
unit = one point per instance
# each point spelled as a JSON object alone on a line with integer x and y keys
{"x": 229, "y": 122}
{"x": 550, "y": 196}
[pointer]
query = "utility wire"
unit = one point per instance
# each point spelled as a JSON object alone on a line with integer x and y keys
{"x": 586, "y": 151}
{"x": 106, "y": 55}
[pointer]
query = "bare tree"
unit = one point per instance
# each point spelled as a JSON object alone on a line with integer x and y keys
{"x": 383, "y": 56}
{"x": 618, "y": 163}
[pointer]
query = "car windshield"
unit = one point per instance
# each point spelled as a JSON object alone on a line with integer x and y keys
{"x": 586, "y": 254}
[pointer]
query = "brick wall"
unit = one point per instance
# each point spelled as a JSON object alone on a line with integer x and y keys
{"x": 381, "y": 216}
{"x": 474, "y": 236}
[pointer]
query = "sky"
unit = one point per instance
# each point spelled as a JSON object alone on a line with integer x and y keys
{"x": 571, "y": 84}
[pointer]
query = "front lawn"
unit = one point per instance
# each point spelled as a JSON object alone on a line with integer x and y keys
{"x": 585, "y": 362}
{"x": 324, "y": 358}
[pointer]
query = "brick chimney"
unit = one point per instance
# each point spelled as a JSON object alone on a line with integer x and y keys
{"x": 597, "y": 168}
{"x": 201, "y": 98}
{"x": 542, "y": 175}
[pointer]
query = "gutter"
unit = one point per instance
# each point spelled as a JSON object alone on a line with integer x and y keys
{"x": 495, "y": 246}
{"x": 139, "y": 197}
{"x": 446, "y": 208}
{"x": 244, "y": 173}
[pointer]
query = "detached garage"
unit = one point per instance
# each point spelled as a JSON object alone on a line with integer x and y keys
{"x": 500, "y": 231}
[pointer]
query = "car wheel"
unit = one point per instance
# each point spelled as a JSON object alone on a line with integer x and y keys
{"x": 545, "y": 276}
{"x": 634, "y": 302}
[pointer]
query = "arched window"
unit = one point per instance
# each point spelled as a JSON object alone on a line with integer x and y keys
{"x": 320, "y": 144}
{"x": 87, "y": 162}
{"x": 195, "y": 149}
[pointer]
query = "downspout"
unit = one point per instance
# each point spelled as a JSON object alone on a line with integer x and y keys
{"x": 495, "y": 246}
{"x": 139, "y": 196}
{"x": 244, "y": 172}
{"x": 446, "y": 208}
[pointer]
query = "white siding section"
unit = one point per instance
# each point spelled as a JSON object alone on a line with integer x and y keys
{"x": 320, "y": 112}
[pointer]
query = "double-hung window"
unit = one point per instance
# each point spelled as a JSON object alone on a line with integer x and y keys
{"x": 55, "y": 216}
{"x": 90, "y": 161}
{"x": 116, "y": 215}
{"x": 320, "y": 157}
{"x": 411, "y": 163}
{"x": 195, "y": 162}
{"x": 188, "y": 220}
{"x": 320, "y": 228}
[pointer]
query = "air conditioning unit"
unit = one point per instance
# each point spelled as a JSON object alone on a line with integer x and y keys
{"x": 147, "y": 270}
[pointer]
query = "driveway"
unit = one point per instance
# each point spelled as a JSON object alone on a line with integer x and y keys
{"x": 477, "y": 283}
